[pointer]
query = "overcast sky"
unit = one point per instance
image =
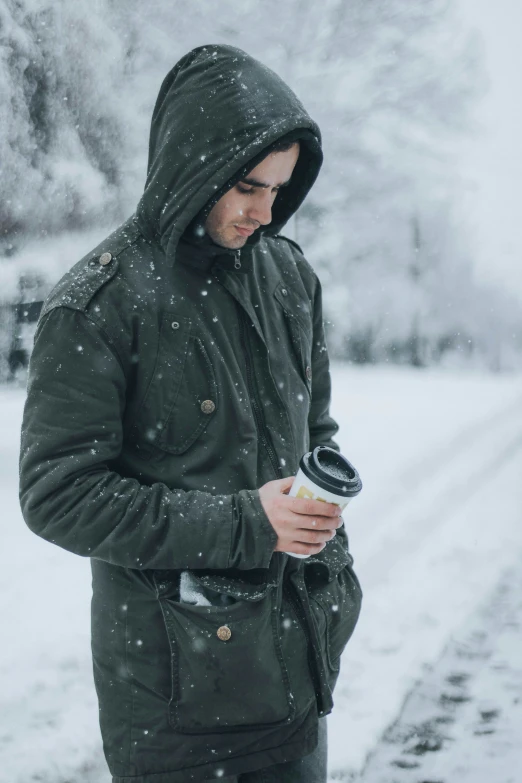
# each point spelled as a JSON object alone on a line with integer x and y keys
{"x": 494, "y": 161}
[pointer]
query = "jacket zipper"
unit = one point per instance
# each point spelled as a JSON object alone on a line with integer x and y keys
{"x": 262, "y": 431}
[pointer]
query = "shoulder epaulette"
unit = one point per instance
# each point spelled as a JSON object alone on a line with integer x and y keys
{"x": 78, "y": 286}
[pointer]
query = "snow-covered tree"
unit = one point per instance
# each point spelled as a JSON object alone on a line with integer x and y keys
{"x": 390, "y": 83}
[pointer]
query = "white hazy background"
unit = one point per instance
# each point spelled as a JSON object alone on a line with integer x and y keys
{"x": 492, "y": 159}
{"x": 413, "y": 223}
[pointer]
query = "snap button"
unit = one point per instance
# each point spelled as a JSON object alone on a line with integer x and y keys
{"x": 175, "y": 325}
{"x": 224, "y": 633}
{"x": 105, "y": 259}
{"x": 284, "y": 292}
{"x": 309, "y": 373}
{"x": 207, "y": 406}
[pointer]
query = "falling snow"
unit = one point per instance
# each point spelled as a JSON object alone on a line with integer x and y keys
{"x": 416, "y": 596}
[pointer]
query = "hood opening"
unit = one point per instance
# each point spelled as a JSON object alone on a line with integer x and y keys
{"x": 218, "y": 114}
{"x": 288, "y": 199}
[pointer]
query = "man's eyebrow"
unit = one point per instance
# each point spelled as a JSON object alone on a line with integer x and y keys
{"x": 255, "y": 183}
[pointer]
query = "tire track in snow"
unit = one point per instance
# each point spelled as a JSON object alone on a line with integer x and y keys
{"x": 426, "y": 468}
{"x": 440, "y": 487}
{"x": 422, "y": 470}
{"x": 424, "y": 570}
{"x": 461, "y": 721}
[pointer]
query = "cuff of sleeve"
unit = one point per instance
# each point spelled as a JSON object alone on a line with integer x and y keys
{"x": 334, "y": 557}
{"x": 254, "y": 545}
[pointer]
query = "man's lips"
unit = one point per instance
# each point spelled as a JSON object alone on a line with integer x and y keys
{"x": 245, "y": 232}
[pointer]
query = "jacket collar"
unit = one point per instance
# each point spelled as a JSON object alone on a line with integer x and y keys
{"x": 202, "y": 253}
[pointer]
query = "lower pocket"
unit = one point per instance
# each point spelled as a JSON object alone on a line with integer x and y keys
{"x": 336, "y": 606}
{"x": 227, "y": 667}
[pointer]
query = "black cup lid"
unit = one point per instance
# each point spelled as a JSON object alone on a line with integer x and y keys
{"x": 331, "y": 471}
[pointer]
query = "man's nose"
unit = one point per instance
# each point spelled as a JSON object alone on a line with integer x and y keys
{"x": 261, "y": 211}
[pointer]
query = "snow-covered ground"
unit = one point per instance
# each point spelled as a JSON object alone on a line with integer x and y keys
{"x": 436, "y": 529}
{"x": 438, "y": 523}
{"x": 462, "y": 721}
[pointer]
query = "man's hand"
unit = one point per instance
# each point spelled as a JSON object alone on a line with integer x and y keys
{"x": 303, "y": 526}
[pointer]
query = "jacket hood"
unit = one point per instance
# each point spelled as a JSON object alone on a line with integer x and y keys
{"x": 217, "y": 112}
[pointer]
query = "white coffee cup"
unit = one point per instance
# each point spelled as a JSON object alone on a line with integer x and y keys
{"x": 324, "y": 474}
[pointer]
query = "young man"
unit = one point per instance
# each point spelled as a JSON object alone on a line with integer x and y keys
{"x": 179, "y": 373}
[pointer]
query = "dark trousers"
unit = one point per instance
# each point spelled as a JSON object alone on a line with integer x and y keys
{"x": 309, "y": 769}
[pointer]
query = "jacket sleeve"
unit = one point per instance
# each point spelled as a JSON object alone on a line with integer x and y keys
{"x": 322, "y": 426}
{"x": 70, "y": 493}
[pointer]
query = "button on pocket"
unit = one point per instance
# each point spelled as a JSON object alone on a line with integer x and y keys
{"x": 224, "y": 633}
{"x": 207, "y": 406}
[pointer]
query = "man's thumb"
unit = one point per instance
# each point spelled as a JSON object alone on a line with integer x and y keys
{"x": 285, "y": 483}
{"x": 276, "y": 486}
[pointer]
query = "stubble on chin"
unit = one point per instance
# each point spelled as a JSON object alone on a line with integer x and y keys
{"x": 228, "y": 240}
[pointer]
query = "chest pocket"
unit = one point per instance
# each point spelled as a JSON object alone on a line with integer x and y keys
{"x": 182, "y": 396}
{"x": 298, "y": 323}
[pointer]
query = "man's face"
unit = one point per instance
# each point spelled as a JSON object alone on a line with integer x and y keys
{"x": 248, "y": 205}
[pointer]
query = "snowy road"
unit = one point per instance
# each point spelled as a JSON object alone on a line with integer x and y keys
{"x": 462, "y": 722}
{"x": 434, "y": 531}
{"x": 433, "y": 547}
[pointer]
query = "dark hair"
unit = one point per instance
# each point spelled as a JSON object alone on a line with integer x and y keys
{"x": 282, "y": 146}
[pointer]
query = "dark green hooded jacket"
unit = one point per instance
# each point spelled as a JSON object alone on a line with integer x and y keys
{"x": 169, "y": 381}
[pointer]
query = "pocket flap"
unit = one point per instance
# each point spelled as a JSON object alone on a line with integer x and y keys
{"x": 330, "y": 561}
{"x": 294, "y": 305}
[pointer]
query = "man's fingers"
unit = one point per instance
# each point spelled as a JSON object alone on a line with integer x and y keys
{"x": 313, "y": 523}
{"x": 281, "y": 485}
{"x": 310, "y": 507}
{"x": 298, "y": 548}
{"x": 314, "y": 536}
